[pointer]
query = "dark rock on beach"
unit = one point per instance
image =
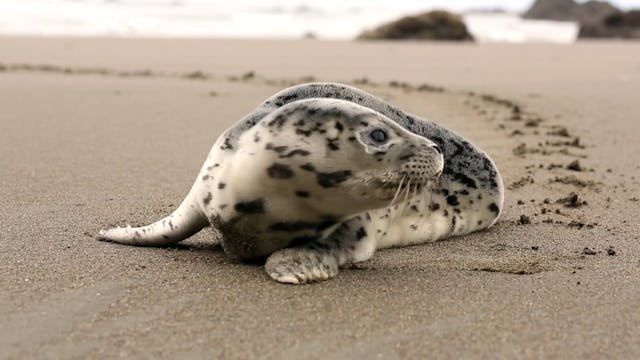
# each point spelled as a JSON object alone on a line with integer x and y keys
{"x": 597, "y": 19}
{"x": 620, "y": 24}
{"x": 569, "y": 10}
{"x": 433, "y": 25}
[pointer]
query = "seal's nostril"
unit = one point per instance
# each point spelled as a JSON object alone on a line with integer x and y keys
{"x": 437, "y": 148}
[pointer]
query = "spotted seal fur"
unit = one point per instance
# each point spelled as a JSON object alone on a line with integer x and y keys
{"x": 323, "y": 174}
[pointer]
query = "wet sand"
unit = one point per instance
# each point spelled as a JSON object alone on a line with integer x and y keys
{"x": 105, "y": 131}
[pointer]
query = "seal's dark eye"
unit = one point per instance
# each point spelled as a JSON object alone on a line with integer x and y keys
{"x": 379, "y": 136}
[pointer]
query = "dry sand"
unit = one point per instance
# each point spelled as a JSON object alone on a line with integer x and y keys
{"x": 101, "y": 131}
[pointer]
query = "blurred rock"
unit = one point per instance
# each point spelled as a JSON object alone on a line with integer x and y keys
{"x": 433, "y": 25}
{"x": 597, "y": 19}
{"x": 568, "y": 10}
{"x": 624, "y": 25}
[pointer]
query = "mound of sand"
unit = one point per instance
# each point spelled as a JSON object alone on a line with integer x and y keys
{"x": 433, "y": 25}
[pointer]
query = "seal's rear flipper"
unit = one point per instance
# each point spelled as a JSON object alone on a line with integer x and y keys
{"x": 185, "y": 221}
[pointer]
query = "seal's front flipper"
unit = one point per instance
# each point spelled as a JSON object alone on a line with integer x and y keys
{"x": 319, "y": 260}
{"x": 301, "y": 265}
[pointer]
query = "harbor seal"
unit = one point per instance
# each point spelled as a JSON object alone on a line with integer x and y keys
{"x": 321, "y": 175}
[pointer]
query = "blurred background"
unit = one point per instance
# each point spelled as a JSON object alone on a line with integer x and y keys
{"x": 562, "y": 21}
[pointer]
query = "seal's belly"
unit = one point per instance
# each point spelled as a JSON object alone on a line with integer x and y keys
{"x": 255, "y": 236}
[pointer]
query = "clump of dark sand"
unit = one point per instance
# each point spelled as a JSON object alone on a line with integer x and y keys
{"x": 573, "y": 180}
{"x": 575, "y": 166}
{"x": 559, "y": 131}
{"x": 572, "y": 201}
{"x": 524, "y": 220}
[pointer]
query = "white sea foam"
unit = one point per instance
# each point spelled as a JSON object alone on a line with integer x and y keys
{"x": 512, "y": 28}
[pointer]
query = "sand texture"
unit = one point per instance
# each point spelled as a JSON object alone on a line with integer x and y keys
{"x": 101, "y": 131}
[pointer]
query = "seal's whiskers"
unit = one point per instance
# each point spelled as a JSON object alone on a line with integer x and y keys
{"x": 400, "y": 211}
{"x": 395, "y": 197}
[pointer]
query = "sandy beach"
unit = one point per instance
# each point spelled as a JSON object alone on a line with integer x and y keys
{"x": 108, "y": 131}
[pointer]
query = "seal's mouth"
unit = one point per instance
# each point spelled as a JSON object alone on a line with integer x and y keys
{"x": 406, "y": 186}
{"x": 389, "y": 186}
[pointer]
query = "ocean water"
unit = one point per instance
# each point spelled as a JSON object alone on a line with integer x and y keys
{"x": 182, "y": 18}
{"x": 328, "y": 19}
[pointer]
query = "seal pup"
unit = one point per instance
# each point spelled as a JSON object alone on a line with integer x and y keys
{"x": 321, "y": 175}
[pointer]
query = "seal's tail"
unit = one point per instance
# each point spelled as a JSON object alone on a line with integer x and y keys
{"x": 185, "y": 221}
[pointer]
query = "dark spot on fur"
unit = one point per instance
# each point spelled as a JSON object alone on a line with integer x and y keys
{"x": 306, "y": 133}
{"x": 328, "y": 180}
{"x": 227, "y": 144}
{"x": 360, "y": 233}
{"x": 465, "y": 180}
{"x": 207, "y": 199}
{"x": 339, "y": 126}
{"x": 308, "y": 167}
{"x": 205, "y": 177}
{"x": 277, "y": 149}
{"x": 289, "y": 97}
{"x": 222, "y": 206}
{"x": 414, "y": 208}
{"x": 494, "y": 207}
{"x": 280, "y": 171}
{"x": 221, "y": 185}
{"x": 352, "y": 138}
{"x": 452, "y": 200}
{"x": 295, "y": 152}
{"x": 434, "y": 206}
{"x": 250, "y": 207}
{"x": 331, "y": 143}
{"x": 303, "y": 194}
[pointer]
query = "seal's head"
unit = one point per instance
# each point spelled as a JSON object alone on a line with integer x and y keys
{"x": 333, "y": 156}
{"x": 392, "y": 158}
